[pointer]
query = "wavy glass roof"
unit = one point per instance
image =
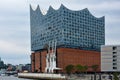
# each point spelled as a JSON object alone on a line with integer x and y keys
{"x": 74, "y": 29}
{"x": 43, "y": 12}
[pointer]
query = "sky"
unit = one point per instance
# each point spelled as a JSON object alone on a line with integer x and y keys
{"x": 15, "y": 24}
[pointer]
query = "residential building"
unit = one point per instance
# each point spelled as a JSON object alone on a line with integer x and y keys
{"x": 110, "y": 58}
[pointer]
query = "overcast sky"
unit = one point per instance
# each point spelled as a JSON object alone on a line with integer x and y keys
{"x": 15, "y": 23}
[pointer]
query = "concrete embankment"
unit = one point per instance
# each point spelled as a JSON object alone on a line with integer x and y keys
{"x": 44, "y": 76}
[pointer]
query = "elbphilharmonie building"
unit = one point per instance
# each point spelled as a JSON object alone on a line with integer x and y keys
{"x": 72, "y": 29}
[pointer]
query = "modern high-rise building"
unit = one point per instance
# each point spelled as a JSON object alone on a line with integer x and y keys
{"x": 63, "y": 37}
{"x": 72, "y": 29}
{"x": 110, "y": 58}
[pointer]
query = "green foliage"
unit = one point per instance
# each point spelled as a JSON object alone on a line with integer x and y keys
{"x": 80, "y": 68}
{"x": 85, "y": 68}
{"x": 94, "y": 67}
{"x": 69, "y": 68}
{"x": 115, "y": 76}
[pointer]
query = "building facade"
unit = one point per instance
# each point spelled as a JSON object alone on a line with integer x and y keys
{"x": 78, "y": 36}
{"x": 71, "y": 29}
{"x": 110, "y": 58}
{"x": 65, "y": 57}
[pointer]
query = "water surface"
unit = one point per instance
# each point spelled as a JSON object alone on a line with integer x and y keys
{"x": 12, "y": 78}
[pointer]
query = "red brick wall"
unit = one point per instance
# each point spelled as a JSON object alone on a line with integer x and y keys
{"x": 66, "y": 56}
{"x": 33, "y": 62}
{"x": 43, "y": 56}
{"x": 37, "y": 61}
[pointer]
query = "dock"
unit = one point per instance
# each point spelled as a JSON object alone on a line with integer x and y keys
{"x": 43, "y": 76}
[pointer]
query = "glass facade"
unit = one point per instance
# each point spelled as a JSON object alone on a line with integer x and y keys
{"x": 72, "y": 29}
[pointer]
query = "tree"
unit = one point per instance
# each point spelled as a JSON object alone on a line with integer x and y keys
{"x": 115, "y": 74}
{"x": 79, "y": 68}
{"x": 2, "y": 65}
{"x": 69, "y": 68}
{"x": 94, "y": 68}
{"x": 85, "y": 68}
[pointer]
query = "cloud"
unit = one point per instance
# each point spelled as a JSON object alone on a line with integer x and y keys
{"x": 14, "y": 52}
{"x": 16, "y": 61}
{"x": 16, "y": 58}
{"x": 15, "y": 23}
{"x": 14, "y": 30}
{"x": 8, "y": 47}
{"x": 112, "y": 41}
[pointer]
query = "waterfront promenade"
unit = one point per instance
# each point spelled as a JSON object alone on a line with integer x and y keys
{"x": 46, "y": 76}
{"x": 42, "y": 76}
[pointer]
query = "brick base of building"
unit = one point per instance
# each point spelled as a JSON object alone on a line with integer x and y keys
{"x": 66, "y": 56}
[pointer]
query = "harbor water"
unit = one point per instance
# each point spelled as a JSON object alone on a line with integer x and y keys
{"x": 12, "y": 78}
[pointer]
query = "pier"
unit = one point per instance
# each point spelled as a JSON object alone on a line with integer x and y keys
{"x": 41, "y": 76}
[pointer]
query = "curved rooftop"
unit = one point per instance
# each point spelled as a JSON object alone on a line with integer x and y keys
{"x": 71, "y": 28}
{"x": 62, "y": 6}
